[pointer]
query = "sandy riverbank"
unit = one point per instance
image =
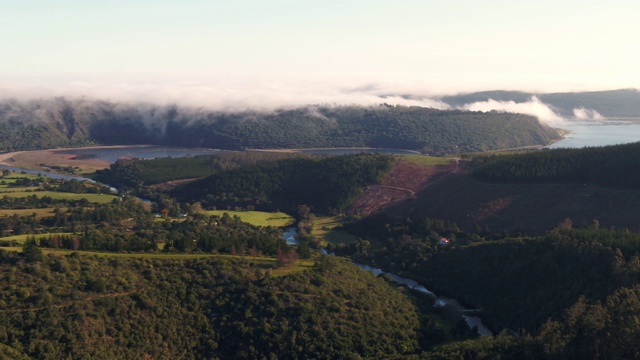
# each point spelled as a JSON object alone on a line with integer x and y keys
{"x": 48, "y": 160}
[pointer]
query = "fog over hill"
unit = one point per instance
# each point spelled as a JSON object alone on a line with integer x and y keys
{"x": 267, "y": 94}
{"x": 47, "y": 123}
{"x": 581, "y": 105}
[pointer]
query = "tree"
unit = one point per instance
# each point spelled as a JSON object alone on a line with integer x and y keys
{"x": 31, "y": 251}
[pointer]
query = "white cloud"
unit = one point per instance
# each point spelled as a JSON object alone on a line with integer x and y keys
{"x": 587, "y": 114}
{"x": 227, "y": 94}
{"x": 533, "y": 107}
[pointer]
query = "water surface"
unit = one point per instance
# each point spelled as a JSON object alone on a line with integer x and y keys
{"x": 599, "y": 133}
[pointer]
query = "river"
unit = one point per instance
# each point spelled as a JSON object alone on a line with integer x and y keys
{"x": 440, "y": 301}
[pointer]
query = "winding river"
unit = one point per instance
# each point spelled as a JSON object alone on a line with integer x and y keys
{"x": 441, "y": 301}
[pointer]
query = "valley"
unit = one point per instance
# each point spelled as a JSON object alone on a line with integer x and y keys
{"x": 509, "y": 234}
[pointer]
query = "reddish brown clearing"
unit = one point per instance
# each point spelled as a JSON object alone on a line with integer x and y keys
{"x": 401, "y": 183}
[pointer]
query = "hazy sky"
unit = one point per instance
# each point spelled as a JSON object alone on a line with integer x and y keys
{"x": 425, "y": 46}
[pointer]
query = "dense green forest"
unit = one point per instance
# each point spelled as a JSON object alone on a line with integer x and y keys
{"x": 79, "y": 306}
{"x": 562, "y": 295}
{"x": 325, "y": 183}
{"x": 616, "y": 166}
{"x": 135, "y": 173}
{"x": 41, "y": 124}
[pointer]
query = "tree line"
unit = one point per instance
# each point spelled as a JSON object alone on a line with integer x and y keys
{"x": 616, "y": 166}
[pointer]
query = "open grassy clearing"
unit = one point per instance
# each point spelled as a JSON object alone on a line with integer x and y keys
{"x": 13, "y": 176}
{"x": 20, "y": 239}
{"x": 260, "y": 261}
{"x": 258, "y": 218}
{"x": 94, "y": 198}
{"x": 4, "y": 189}
{"x": 40, "y": 213}
{"x": 323, "y": 229}
{"x": 427, "y": 160}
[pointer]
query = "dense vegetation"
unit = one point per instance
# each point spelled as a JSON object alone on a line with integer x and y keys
{"x": 617, "y": 166}
{"x": 518, "y": 282}
{"x": 135, "y": 173}
{"x": 40, "y": 124}
{"x": 324, "y": 183}
{"x": 125, "y": 308}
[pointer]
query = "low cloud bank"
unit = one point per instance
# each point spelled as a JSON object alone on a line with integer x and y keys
{"x": 587, "y": 114}
{"x": 223, "y": 95}
{"x": 267, "y": 94}
{"x": 533, "y": 107}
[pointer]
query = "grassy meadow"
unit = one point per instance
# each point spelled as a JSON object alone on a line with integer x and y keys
{"x": 25, "y": 191}
{"x": 20, "y": 239}
{"x": 324, "y": 229}
{"x": 40, "y": 213}
{"x": 427, "y": 160}
{"x": 258, "y": 218}
{"x": 93, "y": 198}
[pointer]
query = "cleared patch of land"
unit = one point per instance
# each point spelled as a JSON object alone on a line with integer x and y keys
{"x": 40, "y": 213}
{"x": 258, "y": 218}
{"x": 427, "y": 160}
{"x": 93, "y": 198}
{"x": 324, "y": 229}
{"x": 20, "y": 239}
{"x": 409, "y": 174}
{"x": 54, "y": 160}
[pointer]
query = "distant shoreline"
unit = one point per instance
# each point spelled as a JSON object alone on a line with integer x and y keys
{"x": 329, "y": 148}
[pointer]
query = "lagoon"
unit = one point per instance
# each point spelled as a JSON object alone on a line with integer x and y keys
{"x": 599, "y": 133}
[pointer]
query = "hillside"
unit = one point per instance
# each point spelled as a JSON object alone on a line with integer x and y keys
{"x": 40, "y": 124}
{"x": 80, "y": 306}
{"x": 613, "y": 166}
{"x": 326, "y": 184}
{"x": 612, "y": 103}
{"x": 527, "y": 208}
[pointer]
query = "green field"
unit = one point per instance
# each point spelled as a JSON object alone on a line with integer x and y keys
{"x": 40, "y": 213}
{"x": 94, "y": 198}
{"x": 20, "y": 239}
{"x": 323, "y": 229}
{"x": 25, "y": 191}
{"x": 427, "y": 160}
{"x": 14, "y": 175}
{"x": 258, "y": 218}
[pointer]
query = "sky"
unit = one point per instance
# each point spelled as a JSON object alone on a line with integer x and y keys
{"x": 243, "y": 51}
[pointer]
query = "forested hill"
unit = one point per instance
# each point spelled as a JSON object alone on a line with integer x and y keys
{"x": 60, "y": 122}
{"x": 88, "y": 307}
{"x": 325, "y": 184}
{"x": 617, "y": 166}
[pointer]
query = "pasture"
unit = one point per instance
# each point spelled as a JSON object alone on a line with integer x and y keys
{"x": 92, "y": 198}
{"x": 324, "y": 229}
{"x": 427, "y": 160}
{"x": 20, "y": 239}
{"x": 39, "y": 213}
{"x": 258, "y": 218}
